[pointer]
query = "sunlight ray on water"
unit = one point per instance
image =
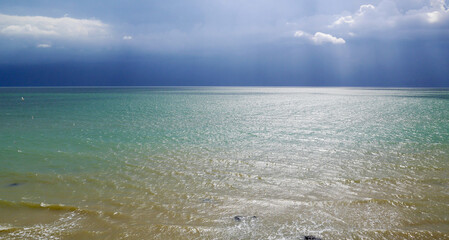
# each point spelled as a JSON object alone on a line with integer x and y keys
{"x": 223, "y": 163}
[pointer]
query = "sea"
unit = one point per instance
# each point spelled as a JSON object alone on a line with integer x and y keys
{"x": 224, "y": 163}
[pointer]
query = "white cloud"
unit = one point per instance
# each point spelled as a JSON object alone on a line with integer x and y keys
{"x": 434, "y": 17}
{"x": 43, "y": 45}
{"x": 393, "y": 15}
{"x": 438, "y": 4}
{"x": 363, "y": 10}
{"x": 127, "y": 37}
{"x": 299, "y": 34}
{"x": 343, "y": 20}
{"x": 319, "y": 38}
{"x": 48, "y": 27}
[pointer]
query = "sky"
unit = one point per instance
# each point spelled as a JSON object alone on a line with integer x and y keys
{"x": 366, "y": 43}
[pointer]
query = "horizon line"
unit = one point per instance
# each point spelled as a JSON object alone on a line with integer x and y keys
{"x": 223, "y": 86}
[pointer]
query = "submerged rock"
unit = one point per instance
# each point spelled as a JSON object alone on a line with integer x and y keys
{"x": 242, "y": 218}
{"x": 310, "y": 237}
{"x": 207, "y": 200}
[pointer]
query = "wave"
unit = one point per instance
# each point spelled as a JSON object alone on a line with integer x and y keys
{"x": 59, "y": 207}
{"x": 67, "y": 223}
{"x": 378, "y": 201}
{"x": 393, "y": 180}
{"x": 4, "y": 229}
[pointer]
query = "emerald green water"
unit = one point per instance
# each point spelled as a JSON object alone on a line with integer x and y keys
{"x": 181, "y": 163}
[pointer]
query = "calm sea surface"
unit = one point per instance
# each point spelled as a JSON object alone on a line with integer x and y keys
{"x": 224, "y": 163}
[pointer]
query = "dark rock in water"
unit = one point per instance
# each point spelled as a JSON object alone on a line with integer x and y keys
{"x": 311, "y": 238}
{"x": 14, "y": 184}
{"x": 241, "y": 218}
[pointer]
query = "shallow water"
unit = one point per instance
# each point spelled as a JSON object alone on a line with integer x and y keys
{"x": 181, "y": 163}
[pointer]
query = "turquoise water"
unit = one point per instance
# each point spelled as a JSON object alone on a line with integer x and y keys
{"x": 182, "y": 163}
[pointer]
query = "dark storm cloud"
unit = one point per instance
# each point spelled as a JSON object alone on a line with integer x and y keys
{"x": 224, "y": 42}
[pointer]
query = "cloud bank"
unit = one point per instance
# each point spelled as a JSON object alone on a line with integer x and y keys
{"x": 48, "y": 27}
{"x": 395, "y": 18}
{"x": 224, "y": 25}
{"x": 388, "y": 19}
